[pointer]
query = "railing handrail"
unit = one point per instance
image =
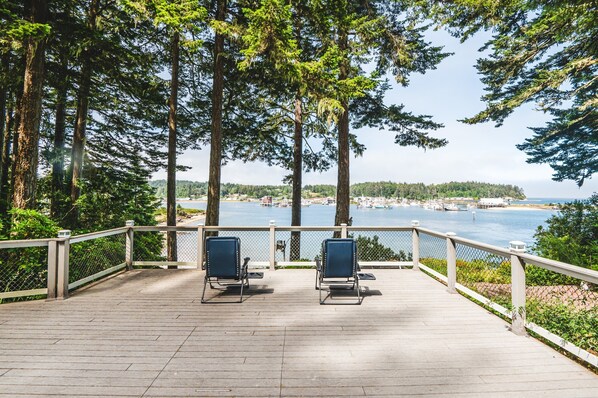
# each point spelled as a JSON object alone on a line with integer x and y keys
{"x": 163, "y": 228}
{"x": 433, "y": 233}
{"x": 500, "y": 251}
{"x": 285, "y": 228}
{"x": 384, "y": 228}
{"x": 574, "y": 271}
{"x": 13, "y": 244}
{"x": 99, "y": 234}
{"x": 301, "y": 228}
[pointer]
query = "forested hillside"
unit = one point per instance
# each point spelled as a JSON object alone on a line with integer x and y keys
{"x": 192, "y": 189}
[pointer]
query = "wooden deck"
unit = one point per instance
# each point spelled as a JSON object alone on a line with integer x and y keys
{"x": 145, "y": 333}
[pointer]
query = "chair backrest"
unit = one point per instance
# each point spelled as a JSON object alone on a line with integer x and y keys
{"x": 339, "y": 258}
{"x": 223, "y": 257}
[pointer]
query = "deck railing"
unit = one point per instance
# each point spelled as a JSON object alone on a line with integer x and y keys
{"x": 555, "y": 300}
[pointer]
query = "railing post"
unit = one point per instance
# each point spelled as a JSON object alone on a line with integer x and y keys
{"x": 52, "y": 253}
{"x": 62, "y": 273}
{"x": 129, "y": 244}
{"x": 517, "y": 288}
{"x": 344, "y": 231}
{"x": 415, "y": 248}
{"x": 200, "y": 246}
{"x": 451, "y": 262}
{"x": 272, "y": 245}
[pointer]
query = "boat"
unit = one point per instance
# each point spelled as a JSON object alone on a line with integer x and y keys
{"x": 452, "y": 207}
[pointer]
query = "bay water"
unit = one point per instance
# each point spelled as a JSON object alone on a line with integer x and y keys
{"x": 493, "y": 226}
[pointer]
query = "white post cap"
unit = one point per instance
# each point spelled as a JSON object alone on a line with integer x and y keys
{"x": 272, "y": 222}
{"x": 451, "y": 234}
{"x": 517, "y": 245}
{"x": 64, "y": 233}
{"x": 415, "y": 223}
{"x": 129, "y": 223}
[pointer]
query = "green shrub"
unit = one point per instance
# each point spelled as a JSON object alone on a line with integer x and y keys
{"x": 576, "y": 325}
{"x": 437, "y": 264}
{"x": 26, "y": 268}
{"x": 370, "y": 249}
{"x": 571, "y": 235}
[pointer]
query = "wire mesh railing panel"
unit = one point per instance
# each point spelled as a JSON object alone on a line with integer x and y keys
{"x": 92, "y": 256}
{"x": 300, "y": 246}
{"x": 152, "y": 246}
{"x": 383, "y": 245}
{"x": 23, "y": 268}
{"x": 485, "y": 273}
{"x": 254, "y": 244}
{"x": 187, "y": 246}
{"x": 563, "y": 305}
{"x": 149, "y": 246}
{"x": 432, "y": 252}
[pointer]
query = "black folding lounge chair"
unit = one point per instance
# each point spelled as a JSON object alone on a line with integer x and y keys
{"x": 339, "y": 267}
{"x": 223, "y": 264}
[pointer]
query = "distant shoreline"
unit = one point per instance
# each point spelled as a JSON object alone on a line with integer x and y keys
{"x": 184, "y": 221}
{"x": 518, "y": 206}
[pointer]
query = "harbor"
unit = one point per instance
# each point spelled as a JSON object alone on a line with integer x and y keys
{"x": 496, "y": 226}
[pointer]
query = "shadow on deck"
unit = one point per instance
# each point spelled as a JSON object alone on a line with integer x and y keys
{"x": 145, "y": 333}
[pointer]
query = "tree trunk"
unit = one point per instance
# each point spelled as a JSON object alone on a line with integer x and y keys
{"x": 213, "y": 208}
{"x": 14, "y": 134}
{"x": 26, "y": 159}
{"x": 295, "y": 252}
{"x": 343, "y": 182}
{"x": 79, "y": 135}
{"x": 59, "y": 138}
{"x": 172, "y": 147}
{"x": 6, "y": 143}
{"x": 16, "y": 120}
{"x": 3, "y": 118}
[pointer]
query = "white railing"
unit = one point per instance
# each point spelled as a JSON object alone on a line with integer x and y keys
{"x": 38, "y": 277}
{"x": 491, "y": 275}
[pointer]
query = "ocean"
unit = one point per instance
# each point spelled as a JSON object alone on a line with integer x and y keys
{"x": 493, "y": 226}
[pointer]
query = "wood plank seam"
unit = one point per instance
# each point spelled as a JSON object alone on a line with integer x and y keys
{"x": 168, "y": 362}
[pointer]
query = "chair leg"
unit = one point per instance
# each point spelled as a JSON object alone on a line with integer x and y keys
{"x": 358, "y": 291}
{"x": 317, "y": 279}
{"x": 243, "y": 285}
{"x": 205, "y": 282}
{"x": 319, "y": 287}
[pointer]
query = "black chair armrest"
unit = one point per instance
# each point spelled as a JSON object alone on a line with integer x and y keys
{"x": 318, "y": 264}
{"x": 245, "y": 266}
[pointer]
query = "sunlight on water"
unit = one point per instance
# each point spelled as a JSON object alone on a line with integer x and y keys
{"x": 496, "y": 227}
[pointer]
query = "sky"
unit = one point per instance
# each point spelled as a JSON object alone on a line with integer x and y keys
{"x": 479, "y": 152}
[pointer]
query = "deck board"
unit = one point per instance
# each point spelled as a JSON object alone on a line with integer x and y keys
{"x": 145, "y": 333}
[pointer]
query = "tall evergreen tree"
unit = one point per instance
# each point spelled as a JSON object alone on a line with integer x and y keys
{"x": 215, "y": 168}
{"x": 172, "y": 145}
{"x": 26, "y": 155}
{"x": 386, "y": 34}
{"x": 280, "y": 38}
{"x": 180, "y": 20}
{"x": 86, "y": 60}
{"x": 14, "y": 34}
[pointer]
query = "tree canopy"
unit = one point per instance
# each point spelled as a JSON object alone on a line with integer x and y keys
{"x": 571, "y": 235}
{"x": 541, "y": 53}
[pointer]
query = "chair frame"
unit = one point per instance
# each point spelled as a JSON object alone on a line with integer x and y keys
{"x": 241, "y": 279}
{"x": 353, "y": 279}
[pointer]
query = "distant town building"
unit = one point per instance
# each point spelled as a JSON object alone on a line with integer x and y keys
{"x": 267, "y": 201}
{"x": 492, "y": 202}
